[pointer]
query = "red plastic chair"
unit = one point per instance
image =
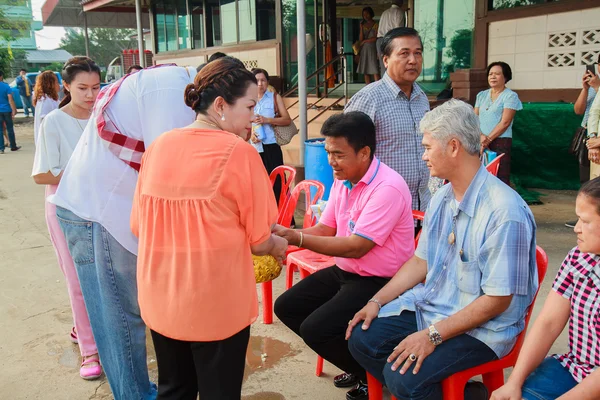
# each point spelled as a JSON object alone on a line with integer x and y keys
{"x": 419, "y": 216}
{"x": 494, "y": 166}
{"x": 285, "y": 220}
{"x": 493, "y": 372}
{"x": 453, "y": 387}
{"x": 286, "y": 184}
{"x": 309, "y": 262}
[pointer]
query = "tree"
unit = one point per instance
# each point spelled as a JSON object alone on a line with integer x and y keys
{"x": 105, "y": 43}
{"x": 10, "y": 27}
{"x": 460, "y": 50}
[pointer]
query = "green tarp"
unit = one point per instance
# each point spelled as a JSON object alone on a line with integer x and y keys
{"x": 542, "y": 133}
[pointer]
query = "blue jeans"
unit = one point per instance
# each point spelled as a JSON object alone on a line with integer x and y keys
{"x": 107, "y": 274}
{"x": 549, "y": 381}
{"x": 372, "y": 347}
{"x": 26, "y": 100}
{"x": 6, "y": 118}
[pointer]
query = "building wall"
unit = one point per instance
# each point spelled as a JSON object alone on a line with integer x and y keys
{"x": 26, "y": 40}
{"x": 547, "y": 51}
{"x": 265, "y": 58}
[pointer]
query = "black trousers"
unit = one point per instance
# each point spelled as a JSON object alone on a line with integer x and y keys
{"x": 215, "y": 370}
{"x": 584, "y": 173}
{"x": 272, "y": 157}
{"x": 319, "y": 307}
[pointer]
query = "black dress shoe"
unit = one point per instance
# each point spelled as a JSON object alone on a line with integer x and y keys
{"x": 345, "y": 380}
{"x": 360, "y": 392}
{"x": 476, "y": 391}
{"x": 15, "y": 148}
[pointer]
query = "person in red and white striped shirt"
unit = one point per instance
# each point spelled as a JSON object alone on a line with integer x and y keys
{"x": 574, "y": 298}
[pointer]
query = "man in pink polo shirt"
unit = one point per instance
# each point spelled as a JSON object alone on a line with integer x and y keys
{"x": 368, "y": 227}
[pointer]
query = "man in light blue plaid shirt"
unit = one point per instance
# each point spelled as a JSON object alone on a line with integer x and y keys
{"x": 396, "y": 105}
{"x": 476, "y": 255}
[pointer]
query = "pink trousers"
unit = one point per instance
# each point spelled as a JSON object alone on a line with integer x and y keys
{"x": 87, "y": 345}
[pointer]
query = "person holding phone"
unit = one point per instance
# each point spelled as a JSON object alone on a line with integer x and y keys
{"x": 590, "y": 83}
{"x": 593, "y": 142}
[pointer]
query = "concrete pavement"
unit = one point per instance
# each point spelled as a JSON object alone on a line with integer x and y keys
{"x": 37, "y": 361}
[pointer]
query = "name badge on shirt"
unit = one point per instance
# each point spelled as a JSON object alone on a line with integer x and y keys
{"x": 351, "y": 225}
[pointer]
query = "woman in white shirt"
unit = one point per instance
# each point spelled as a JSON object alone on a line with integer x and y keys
{"x": 59, "y": 133}
{"x": 45, "y": 98}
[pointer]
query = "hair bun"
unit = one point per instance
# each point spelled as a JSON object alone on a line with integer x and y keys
{"x": 192, "y": 96}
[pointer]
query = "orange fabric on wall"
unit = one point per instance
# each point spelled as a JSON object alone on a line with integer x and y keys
{"x": 202, "y": 199}
{"x": 329, "y": 72}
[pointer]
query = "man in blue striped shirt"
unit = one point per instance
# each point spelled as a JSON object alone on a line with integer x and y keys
{"x": 396, "y": 105}
{"x": 476, "y": 255}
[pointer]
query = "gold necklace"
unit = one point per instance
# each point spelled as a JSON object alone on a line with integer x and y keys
{"x": 75, "y": 118}
{"x": 81, "y": 127}
{"x": 208, "y": 123}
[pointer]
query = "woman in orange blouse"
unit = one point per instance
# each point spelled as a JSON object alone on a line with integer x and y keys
{"x": 203, "y": 205}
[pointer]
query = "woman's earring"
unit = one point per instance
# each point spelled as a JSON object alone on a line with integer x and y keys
{"x": 223, "y": 117}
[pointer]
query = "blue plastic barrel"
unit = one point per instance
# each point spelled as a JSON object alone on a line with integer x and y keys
{"x": 316, "y": 166}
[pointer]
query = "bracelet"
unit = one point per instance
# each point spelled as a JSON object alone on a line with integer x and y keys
{"x": 301, "y": 239}
{"x": 374, "y": 300}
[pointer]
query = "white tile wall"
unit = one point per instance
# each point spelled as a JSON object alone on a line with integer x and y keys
{"x": 527, "y": 26}
{"x": 524, "y": 45}
{"x": 503, "y": 28}
{"x": 530, "y": 43}
{"x": 501, "y": 45}
{"x": 533, "y": 61}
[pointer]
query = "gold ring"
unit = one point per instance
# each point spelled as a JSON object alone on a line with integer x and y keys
{"x": 412, "y": 357}
{"x": 349, "y": 322}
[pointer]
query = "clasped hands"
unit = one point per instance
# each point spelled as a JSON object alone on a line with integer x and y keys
{"x": 593, "y": 145}
{"x": 291, "y": 235}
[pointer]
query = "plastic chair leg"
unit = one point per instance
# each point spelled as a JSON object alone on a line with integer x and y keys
{"x": 267, "y": 292}
{"x": 453, "y": 388}
{"x": 303, "y": 273}
{"x": 493, "y": 380}
{"x": 289, "y": 275}
{"x": 375, "y": 388}
{"x": 319, "y": 370}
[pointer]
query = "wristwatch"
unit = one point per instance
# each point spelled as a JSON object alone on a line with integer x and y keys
{"x": 434, "y": 336}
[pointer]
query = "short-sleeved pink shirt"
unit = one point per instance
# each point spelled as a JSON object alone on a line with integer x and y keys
{"x": 377, "y": 208}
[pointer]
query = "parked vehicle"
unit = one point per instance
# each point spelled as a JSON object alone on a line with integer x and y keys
{"x": 32, "y": 77}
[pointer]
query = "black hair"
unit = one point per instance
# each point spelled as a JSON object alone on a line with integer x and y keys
{"x": 72, "y": 68}
{"x": 136, "y": 67}
{"x": 257, "y": 71}
{"x": 1, "y": 73}
{"x": 22, "y": 70}
{"x": 199, "y": 67}
{"x": 506, "y": 71}
{"x": 216, "y": 56}
{"x": 369, "y": 10}
{"x": 387, "y": 45}
{"x": 356, "y": 126}
{"x": 591, "y": 189}
{"x": 226, "y": 77}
